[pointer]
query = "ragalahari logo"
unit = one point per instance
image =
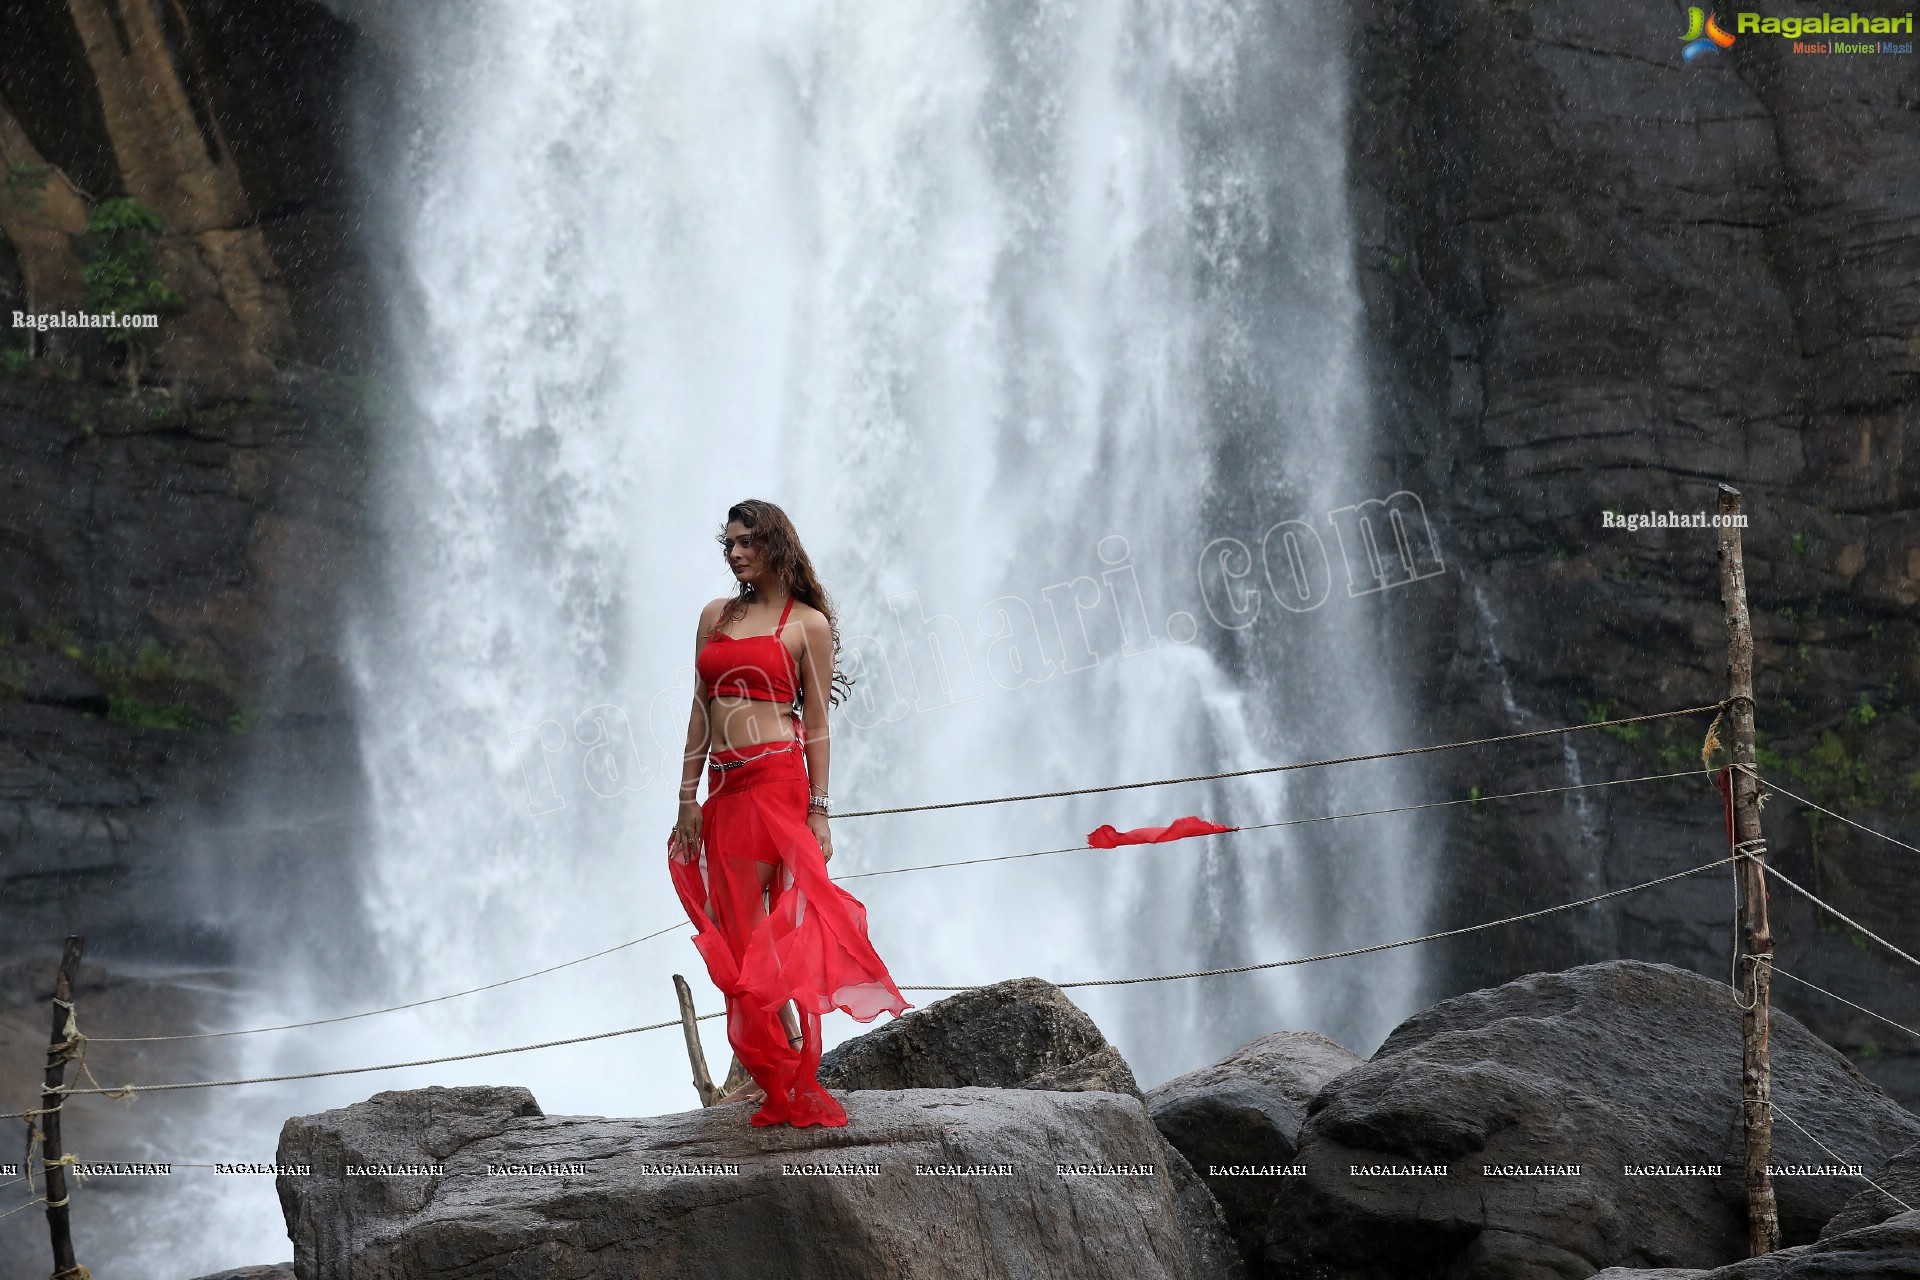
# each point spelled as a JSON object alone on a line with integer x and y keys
{"x": 1703, "y": 34}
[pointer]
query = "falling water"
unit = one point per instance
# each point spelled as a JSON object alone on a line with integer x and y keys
{"x": 1016, "y": 309}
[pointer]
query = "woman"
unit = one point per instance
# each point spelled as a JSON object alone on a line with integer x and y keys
{"x": 782, "y": 942}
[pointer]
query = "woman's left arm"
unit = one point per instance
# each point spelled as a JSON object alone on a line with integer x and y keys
{"x": 816, "y": 683}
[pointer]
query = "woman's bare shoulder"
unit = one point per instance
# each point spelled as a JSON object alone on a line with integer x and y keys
{"x": 710, "y": 614}
{"x": 812, "y": 621}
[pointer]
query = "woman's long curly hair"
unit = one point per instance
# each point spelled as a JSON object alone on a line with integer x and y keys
{"x": 788, "y": 561}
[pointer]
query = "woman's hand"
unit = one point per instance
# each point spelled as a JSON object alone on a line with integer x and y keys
{"x": 685, "y": 836}
{"x": 817, "y": 823}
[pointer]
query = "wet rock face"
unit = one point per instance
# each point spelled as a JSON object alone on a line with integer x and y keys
{"x": 1597, "y": 277}
{"x": 229, "y": 120}
{"x": 1025, "y": 1034}
{"x": 1887, "y": 1251}
{"x": 170, "y": 576}
{"x": 611, "y": 1212}
{"x": 1898, "y": 1177}
{"x": 1462, "y": 1126}
{"x": 171, "y": 561}
{"x": 1242, "y": 1115}
{"x": 1019, "y": 1034}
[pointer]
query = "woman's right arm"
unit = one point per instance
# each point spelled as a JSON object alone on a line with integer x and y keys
{"x": 686, "y": 827}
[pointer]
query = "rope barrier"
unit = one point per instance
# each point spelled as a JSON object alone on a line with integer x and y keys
{"x": 861, "y": 875}
{"x": 1361, "y": 951}
{"x": 22, "y": 1208}
{"x": 1775, "y": 1108}
{"x": 1290, "y": 822}
{"x": 412, "y": 1004}
{"x": 1751, "y": 849}
{"x": 128, "y": 1090}
{"x": 1850, "y": 1004}
{"x": 1833, "y": 910}
{"x": 1749, "y": 771}
{"x": 1279, "y": 768}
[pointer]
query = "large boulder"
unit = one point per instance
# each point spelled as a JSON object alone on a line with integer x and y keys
{"x": 1899, "y": 1176}
{"x": 1238, "y": 1120}
{"x": 273, "y": 1271}
{"x": 1020, "y": 1034}
{"x": 1560, "y": 1124}
{"x": 1887, "y": 1250}
{"x": 1024, "y": 1034}
{"x": 477, "y": 1183}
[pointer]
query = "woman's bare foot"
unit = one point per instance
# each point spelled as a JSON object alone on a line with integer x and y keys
{"x": 748, "y": 1092}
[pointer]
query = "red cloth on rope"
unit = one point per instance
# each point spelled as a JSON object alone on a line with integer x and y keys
{"x": 1108, "y": 838}
{"x": 1723, "y": 783}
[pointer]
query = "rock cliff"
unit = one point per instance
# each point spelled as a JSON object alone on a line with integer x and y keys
{"x": 926, "y": 1183}
{"x": 1600, "y": 278}
{"x": 1565, "y": 1122}
{"x": 177, "y": 525}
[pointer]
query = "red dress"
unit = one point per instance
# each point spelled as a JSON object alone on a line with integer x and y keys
{"x": 810, "y": 946}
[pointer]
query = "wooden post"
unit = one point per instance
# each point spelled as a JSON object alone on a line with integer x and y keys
{"x": 736, "y": 1076}
{"x": 59, "y": 1050}
{"x": 702, "y": 1081}
{"x": 1756, "y": 1080}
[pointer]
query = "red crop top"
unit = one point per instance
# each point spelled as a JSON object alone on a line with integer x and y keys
{"x": 749, "y": 666}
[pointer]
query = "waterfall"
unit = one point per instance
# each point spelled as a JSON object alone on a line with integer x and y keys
{"x": 1029, "y": 316}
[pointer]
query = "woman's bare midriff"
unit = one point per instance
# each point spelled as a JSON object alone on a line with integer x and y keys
{"x": 739, "y": 723}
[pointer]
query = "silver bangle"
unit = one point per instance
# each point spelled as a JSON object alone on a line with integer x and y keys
{"x": 817, "y": 804}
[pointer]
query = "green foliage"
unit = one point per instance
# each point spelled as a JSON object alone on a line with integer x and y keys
{"x": 122, "y": 272}
{"x": 1835, "y": 773}
{"x": 130, "y": 680}
{"x": 14, "y": 358}
{"x": 1863, "y": 713}
{"x": 1678, "y": 755}
{"x": 153, "y": 662}
{"x": 1596, "y": 712}
{"x": 1797, "y": 545}
{"x": 141, "y": 714}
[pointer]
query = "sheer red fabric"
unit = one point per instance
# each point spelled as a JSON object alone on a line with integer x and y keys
{"x": 809, "y": 946}
{"x": 1107, "y": 838}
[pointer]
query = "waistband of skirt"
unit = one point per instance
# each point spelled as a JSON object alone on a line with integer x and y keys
{"x": 736, "y": 757}
{"x": 734, "y": 770}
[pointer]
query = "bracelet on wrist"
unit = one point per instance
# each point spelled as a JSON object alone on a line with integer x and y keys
{"x": 817, "y": 804}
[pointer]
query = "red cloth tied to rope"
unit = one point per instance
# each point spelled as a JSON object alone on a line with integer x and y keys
{"x": 1723, "y": 783}
{"x": 1108, "y": 838}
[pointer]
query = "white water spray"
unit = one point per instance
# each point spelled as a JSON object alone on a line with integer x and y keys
{"x": 1015, "y": 309}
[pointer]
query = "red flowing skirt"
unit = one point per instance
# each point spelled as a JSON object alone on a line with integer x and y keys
{"x": 809, "y": 945}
